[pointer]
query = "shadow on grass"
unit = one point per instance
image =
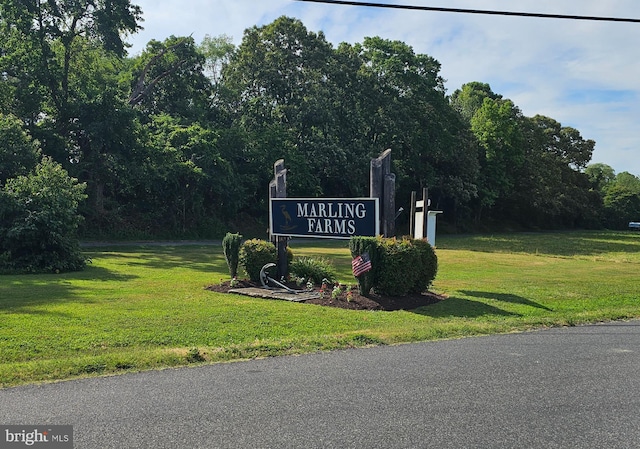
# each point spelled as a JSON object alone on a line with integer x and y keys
{"x": 585, "y": 243}
{"x": 20, "y": 292}
{"x": 462, "y": 308}
{"x": 204, "y": 259}
{"x": 504, "y": 297}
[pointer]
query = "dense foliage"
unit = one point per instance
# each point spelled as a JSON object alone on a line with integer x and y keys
{"x": 398, "y": 266}
{"x": 407, "y": 266}
{"x": 231, "y": 244}
{"x": 316, "y": 270}
{"x": 255, "y": 254}
{"x": 369, "y": 246}
{"x": 38, "y": 221}
{"x": 180, "y": 140}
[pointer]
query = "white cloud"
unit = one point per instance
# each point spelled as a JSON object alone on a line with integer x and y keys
{"x": 583, "y": 74}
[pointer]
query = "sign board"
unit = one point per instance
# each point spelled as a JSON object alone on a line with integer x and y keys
{"x": 333, "y": 218}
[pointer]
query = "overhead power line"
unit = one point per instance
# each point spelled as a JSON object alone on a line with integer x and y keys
{"x": 474, "y": 11}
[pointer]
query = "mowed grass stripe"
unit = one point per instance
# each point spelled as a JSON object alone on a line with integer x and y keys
{"x": 145, "y": 307}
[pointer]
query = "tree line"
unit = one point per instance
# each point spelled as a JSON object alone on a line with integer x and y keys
{"x": 180, "y": 140}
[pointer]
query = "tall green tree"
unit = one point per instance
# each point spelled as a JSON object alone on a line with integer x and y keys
{"x": 62, "y": 60}
{"x": 328, "y": 112}
{"x": 470, "y": 97}
{"x": 531, "y": 168}
{"x": 622, "y": 201}
{"x": 217, "y": 51}
{"x": 600, "y": 175}
{"x": 497, "y": 127}
{"x": 186, "y": 185}
{"x": 408, "y": 112}
{"x": 279, "y": 94}
{"x": 168, "y": 78}
{"x": 553, "y": 190}
{"x": 39, "y": 42}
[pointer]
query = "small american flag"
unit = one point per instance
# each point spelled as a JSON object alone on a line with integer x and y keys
{"x": 361, "y": 264}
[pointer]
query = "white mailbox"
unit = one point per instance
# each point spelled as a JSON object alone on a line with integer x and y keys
{"x": 431, "y": 226}
{"x": 419, "y": 231}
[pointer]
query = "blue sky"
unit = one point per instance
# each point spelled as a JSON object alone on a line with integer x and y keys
{"x": 582, "y": 74}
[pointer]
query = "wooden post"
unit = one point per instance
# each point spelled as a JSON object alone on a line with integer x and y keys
{"x": 382, "y": 186}
{"x": 425, "y": 209}
{"x": 273, "y": 193}
{"x": 389, "y": 201}
{"x": 385, "y": 157}
{"x": 278, "y": 166}
{"x": 278, "y": 189}
{"x": 375, "y": 180}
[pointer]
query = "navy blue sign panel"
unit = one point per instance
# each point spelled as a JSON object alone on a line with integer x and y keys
{"x": 335, "y": 218}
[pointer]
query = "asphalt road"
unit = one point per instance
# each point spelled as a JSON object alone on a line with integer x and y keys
{"x": 575, "y": 387}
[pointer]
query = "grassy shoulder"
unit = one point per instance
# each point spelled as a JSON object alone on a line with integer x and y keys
{"x": 145, "y": 307}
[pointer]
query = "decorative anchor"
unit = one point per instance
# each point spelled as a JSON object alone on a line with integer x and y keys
{"x": 265, "y": 279}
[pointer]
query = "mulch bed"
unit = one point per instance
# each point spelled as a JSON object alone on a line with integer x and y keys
{"x": 353, "y": 301}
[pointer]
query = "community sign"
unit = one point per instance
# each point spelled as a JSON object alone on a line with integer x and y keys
{"x": 335, "y": 218}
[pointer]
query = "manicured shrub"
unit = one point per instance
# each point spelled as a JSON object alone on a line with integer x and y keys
{"x": 231, "y": 248}
{"x": 371, "y": 246}
{"x": 398, "y": 261}
{"x": 313, "y": 269}
{"x": 254, "y": 254}
{"x": 399, "y": 267}
{"x": 428, "y": 269}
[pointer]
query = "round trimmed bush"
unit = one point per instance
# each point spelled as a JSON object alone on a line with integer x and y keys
{"x": 399, "y": 267}
{"x": 428, "y": 265}
{"x": 255, "y": 254}
{"x": 407, "y": 266}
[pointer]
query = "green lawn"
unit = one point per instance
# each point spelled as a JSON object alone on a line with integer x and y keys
{"x": 145, "y": 307}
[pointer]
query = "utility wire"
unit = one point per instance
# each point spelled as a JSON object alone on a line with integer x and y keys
{"x": 474, "y": 11}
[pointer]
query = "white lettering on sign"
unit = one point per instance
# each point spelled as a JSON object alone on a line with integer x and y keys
{"x": 331, "y": 210}
{"x": 331, "y": 218}
{"x": 331, "y": 226}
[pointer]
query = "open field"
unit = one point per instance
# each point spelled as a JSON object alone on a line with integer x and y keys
{"x": 145, "y": 307}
